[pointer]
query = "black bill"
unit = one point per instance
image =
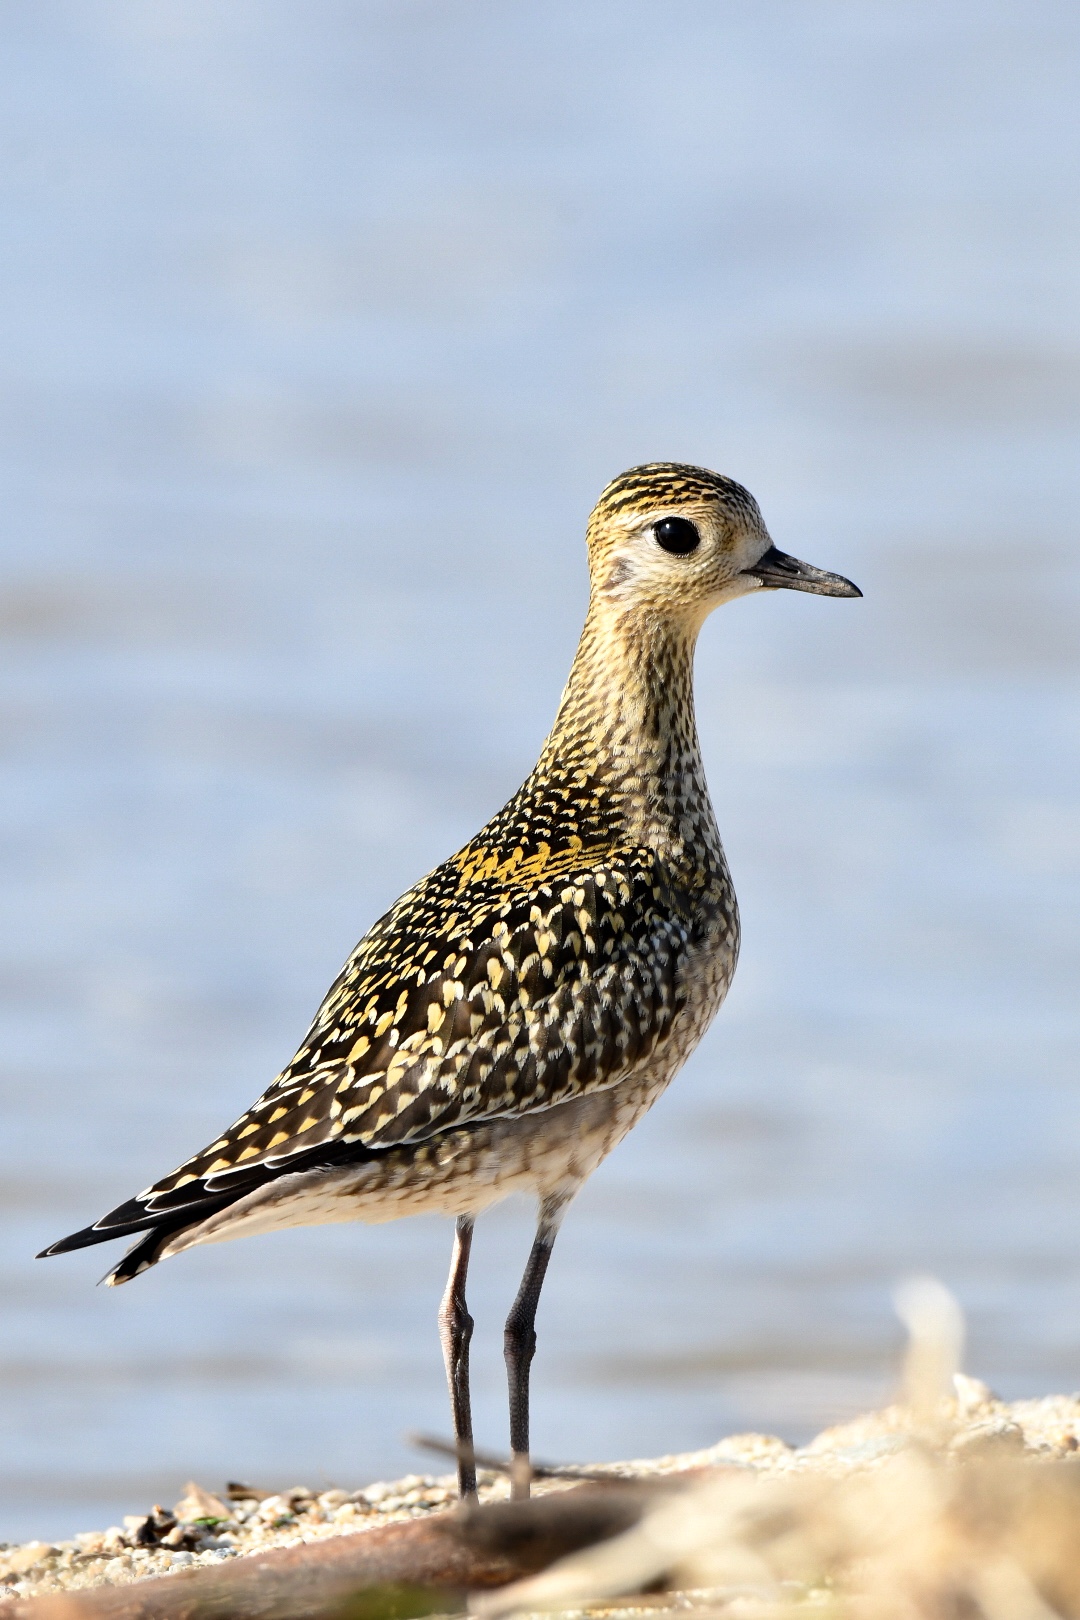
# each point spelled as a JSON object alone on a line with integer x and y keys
{"x": 779, "y": 572}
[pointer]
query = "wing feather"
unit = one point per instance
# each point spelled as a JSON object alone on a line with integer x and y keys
{"x": 516, "y": 999}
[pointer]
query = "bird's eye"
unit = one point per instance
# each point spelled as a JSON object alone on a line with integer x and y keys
{"x": 677, "y": 535}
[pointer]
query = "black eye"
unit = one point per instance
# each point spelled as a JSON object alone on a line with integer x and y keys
{"x": 677, "y": 535}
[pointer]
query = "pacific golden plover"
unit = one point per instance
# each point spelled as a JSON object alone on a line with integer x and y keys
{"x": 511, "y": 1017}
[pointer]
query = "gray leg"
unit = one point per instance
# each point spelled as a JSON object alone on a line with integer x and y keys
{"x": 519, "y": 1341}
{"x": 455, "y": 1331}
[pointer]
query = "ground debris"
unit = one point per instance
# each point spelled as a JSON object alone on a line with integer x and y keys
{"x": 981, "y": 1491}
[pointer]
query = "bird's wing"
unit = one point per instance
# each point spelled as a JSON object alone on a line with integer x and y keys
{"x": 497, "y": 999}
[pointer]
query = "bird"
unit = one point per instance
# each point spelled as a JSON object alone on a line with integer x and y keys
{"x": 514, "y": 1014}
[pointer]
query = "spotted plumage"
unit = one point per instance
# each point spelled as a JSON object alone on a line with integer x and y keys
{"x": 513, "y": 1014}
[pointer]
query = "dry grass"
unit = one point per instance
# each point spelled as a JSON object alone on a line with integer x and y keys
{"x": 922, "y": 1535}
{"x": 953, "y": 1515}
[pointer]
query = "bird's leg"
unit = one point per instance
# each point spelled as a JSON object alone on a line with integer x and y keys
{"x": 519, "y": 1341}
{"x": 455, "y": 1331}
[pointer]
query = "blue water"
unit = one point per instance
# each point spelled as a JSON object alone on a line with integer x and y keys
{"x": 323, "y": 324}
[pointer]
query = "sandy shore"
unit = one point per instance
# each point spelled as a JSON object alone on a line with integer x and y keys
{"x": 203, "y": 1529}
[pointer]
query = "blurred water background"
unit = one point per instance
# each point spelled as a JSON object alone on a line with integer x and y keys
{"x": 324, "y": 322}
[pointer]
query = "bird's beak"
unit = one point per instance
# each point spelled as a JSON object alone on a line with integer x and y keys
{"x": 779, "y": 572}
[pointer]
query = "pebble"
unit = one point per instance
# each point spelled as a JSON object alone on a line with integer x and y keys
{"x": 333, "y": 1499}
{"x": 274, "y": 1508}
{"x": 19, "y": 1559}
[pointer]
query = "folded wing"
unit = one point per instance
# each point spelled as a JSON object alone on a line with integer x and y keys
{"x": 516, "y": 999}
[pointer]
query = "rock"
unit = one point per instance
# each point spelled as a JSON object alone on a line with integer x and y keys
{"x": 274, "y": 1508}
{"x": 997, "y": 1436}
{"x": 17, "y": 1560}
{"x": 329, "y": 1500}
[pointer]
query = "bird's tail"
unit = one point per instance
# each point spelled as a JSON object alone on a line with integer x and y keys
{"x": 157, "y": 1230}
{"x": 145, "y": 1253}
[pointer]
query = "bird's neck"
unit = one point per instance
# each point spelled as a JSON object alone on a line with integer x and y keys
{"x": 625, "y": 731}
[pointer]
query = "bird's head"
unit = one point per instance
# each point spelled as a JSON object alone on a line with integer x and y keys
{"x": 677, "y": 541}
